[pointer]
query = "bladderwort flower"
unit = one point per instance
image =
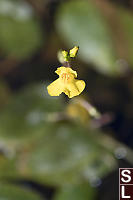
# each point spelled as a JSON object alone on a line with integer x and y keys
{"x": 67, "y": 82}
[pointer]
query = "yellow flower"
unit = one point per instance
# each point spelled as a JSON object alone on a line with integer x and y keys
{"x": 73, "y": 52}
{"x": 66, "y": 83}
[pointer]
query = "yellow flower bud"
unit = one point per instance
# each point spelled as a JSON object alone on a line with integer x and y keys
{"x": 65, "y": 55}
{"x": 73, "y": 52}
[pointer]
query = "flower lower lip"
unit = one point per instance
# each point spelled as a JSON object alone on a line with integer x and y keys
{"x": 65, "y": 77}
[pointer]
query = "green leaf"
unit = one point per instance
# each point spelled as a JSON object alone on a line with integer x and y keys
{"x": 26, "y": 116}
{"x": 68, "y": 153}
{"x": 76, "y": 192}
{"x": 12, "y": 192}
{"x": 20, "y": 32}
{"x": 4, "y": 94}
{"x": 126, "y": 20}
{"x": 82, "y": 23}
{"x": 37, "y": 146}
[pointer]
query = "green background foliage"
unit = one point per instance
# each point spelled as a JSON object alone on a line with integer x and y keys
{"x": 54, "y": 148}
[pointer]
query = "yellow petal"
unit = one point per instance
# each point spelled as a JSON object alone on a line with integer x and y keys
{"x": 67, "y": 92}
{"x": 74, "y": 51}
{"x": 69, "y": 70}
{"x": 55, "y": 88}
{"x": 61, "y": 70}
{"x": 74, "y": 88}
{"x": 80, "y": 85}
